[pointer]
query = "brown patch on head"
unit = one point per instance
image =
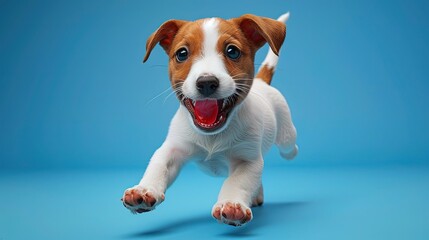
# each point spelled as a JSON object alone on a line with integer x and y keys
{"x": 259, "y": 30}
{"x": 238, "y": 41}
{"x": 172, "y": 36}
{"x": 242, "y": 68}
{"x": 248, "y": 33}
{"x": 164, "y": 35}
{"x": 229, "y": 34}
{"x": 190, "y": 37}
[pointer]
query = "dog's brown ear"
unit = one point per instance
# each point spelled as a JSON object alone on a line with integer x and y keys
{"x": 164, "y": 36}
{"x": 259, "y": 30}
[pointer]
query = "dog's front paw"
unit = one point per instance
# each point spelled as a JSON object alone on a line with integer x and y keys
{"x": 139, "y": 199}
{"x": 232, "y": 213}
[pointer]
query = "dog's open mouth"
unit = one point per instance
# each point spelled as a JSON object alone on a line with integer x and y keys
{"x": 210, "y": 114}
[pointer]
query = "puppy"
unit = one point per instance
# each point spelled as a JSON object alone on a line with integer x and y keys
{"x": 227, "y": 119}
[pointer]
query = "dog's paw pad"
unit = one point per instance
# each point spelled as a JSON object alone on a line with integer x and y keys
{"x": 235, "y": 214}
{"x": 139, "y": 199}
{"x": 216, "y": 213}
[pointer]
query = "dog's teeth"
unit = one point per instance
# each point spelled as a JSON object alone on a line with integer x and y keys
{"x": 224, "y": 104}
{"x": 193, "y": 102}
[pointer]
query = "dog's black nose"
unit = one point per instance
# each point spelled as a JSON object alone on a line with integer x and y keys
{"x": 207, "y": 85}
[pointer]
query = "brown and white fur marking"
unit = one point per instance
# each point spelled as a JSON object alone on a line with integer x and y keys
{"x": 227, "y": 119}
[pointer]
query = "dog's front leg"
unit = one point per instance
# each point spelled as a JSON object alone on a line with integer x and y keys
{"x": 162, "y": 170}
{"x": 235, "y": 197}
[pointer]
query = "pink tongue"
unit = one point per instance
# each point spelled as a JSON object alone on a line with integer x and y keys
{"x": 206, "y": 111}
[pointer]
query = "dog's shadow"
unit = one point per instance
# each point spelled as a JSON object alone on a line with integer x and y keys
{"x": 268, "y": 214}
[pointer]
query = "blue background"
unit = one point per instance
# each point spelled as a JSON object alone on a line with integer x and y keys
{"x": 80, "y": 118}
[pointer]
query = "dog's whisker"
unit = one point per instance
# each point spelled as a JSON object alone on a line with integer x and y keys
{"x": 170, "y": 94}
{"x": 151, "y": 100}
{"x": 153, "y": 66}
{"x": 246, "y": 88}
{"x": 243, "y": 87}
{"x": 239, "y": 74}
{"x": 163, "y": 92}
{"x": 242, "y": 84}
{"x": 177, "y": 91}
{"x": 242, "y": 80}
{"x": 242, "y": 90}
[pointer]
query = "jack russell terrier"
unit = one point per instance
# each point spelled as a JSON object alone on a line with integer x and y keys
{"x": 227, "y": 119}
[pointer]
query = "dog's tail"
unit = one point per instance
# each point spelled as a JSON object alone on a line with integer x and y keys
{"x": 266, "y": 71}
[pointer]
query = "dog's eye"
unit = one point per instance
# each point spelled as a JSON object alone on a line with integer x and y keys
{"x": 182, "y": 54}
{"x": 232, "y": 52}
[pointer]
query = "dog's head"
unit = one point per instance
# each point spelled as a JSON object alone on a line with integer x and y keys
{"x": 211, "y": 63}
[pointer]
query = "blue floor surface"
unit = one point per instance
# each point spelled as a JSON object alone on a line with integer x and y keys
{"x": 300, "y": 203}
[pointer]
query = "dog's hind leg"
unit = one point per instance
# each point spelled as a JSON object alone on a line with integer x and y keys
{"x": 286, "y": 132}
{"x": 288, "y": 151}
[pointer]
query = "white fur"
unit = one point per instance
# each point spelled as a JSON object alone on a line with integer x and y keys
{"x": 283, "y": 18}
{"x": 261, "y": 120}
{"x": 210, "y": 63}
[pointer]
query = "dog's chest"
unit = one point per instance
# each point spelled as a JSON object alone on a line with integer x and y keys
{"x": 216, "y": 165}
{"x": 216, "y": 153}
